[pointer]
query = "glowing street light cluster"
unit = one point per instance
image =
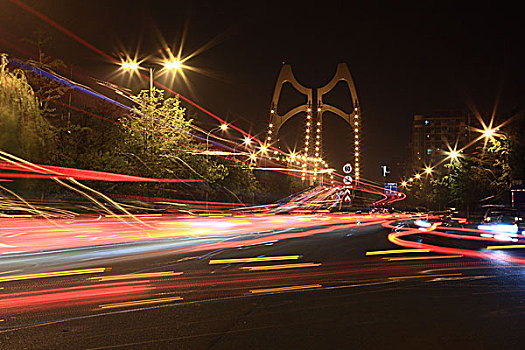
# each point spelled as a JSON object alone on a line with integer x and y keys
{"x": 487, "y": 133}
{"x": 172, "y": 64}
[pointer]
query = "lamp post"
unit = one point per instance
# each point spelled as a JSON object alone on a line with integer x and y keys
{"x": 245, "y": 143}
{"x": 173, "y": 64}
{"x": 223, "y": 127}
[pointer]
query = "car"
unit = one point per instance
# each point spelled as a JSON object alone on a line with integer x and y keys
{"x": 509, "y": 216}
{"x": 503, "y": 219}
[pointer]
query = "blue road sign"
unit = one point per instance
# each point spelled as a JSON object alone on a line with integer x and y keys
{"x": 391, "y": 188}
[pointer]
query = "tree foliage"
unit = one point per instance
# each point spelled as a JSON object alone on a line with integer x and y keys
{"x": 470, "y": 181}
{"x": 23, "y": 129}
{"x": 156, "y": 141}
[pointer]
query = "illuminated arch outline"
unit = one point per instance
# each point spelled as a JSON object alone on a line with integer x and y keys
{"x": 353, "y": 118}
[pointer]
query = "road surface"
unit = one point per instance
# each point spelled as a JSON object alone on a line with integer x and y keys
{"x": 328, "y": 281}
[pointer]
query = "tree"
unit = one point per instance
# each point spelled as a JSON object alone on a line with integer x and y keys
{"x": 157, "y": 141}
{"x": 516, "y": 136}
{"x": 48, "y": 90}
{"x": 23, "y": 130}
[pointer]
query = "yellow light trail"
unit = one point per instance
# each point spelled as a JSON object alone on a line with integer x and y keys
{"x": 515, "y": 246}
{"x": 139, "y": 302}
{"x": 425, "y": 257}
{"x": 6, "y": 245}
{"x": 285, "y": 289}
{"x": 279, "y": 267}
{"x": 424, "y": 276}
{"x": 398, "y": 251}
{"x": 248, "y": 260}
{"x": 136, "y": 275}
{"x": 51, "y": 274}
{"x": 131, "y": 215}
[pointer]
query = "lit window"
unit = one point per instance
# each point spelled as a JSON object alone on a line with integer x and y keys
{"x": 427, "y": 122}
{"x": 429, "y": 151}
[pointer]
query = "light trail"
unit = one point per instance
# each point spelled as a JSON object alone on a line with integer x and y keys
{"x": 285, "y": 289}
{"x": 33, "y": 235}
{"x": 397, "y": 251}
{"x": 424, "y": 276}
{"x": 70, "y": 297}
{"x": 279, "y": 267}
{"x": 52, "y": 274}
{"x": 250, "y": 260}
{"x": 140, "y": 302}
{"x": 136, "y": 276}
{"x": 424, "y": 257}
{"x": 515, "y": 246}
{"x": 397, "y": 238}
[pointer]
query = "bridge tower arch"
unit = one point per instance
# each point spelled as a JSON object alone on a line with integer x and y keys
{"x": 312, "y": 151}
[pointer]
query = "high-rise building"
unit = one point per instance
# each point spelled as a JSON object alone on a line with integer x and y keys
{"x": 433, "y": 135}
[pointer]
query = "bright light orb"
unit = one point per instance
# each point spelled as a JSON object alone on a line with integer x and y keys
{"x": 488, "y": 133}
{"x": 173, "y": 64}
{"x": 428, "y": 170}
{"x": 130, "y": 65}
{"x": 224, "y": 127}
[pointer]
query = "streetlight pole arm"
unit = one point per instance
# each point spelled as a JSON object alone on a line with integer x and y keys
{"x": 151, "y": 82}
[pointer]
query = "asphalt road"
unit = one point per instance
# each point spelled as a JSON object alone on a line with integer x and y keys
{"x": 319, "y": 291}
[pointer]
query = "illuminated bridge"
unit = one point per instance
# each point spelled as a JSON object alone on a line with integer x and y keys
{"x": 311, "y": 155}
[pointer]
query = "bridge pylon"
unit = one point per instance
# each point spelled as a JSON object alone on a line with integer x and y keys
{"x": 313, "y": 165}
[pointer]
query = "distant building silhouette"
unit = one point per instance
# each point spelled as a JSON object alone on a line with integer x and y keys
{"x": 435, "y": 134}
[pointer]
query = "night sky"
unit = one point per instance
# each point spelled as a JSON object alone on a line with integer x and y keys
{"x": 405, "y": 57}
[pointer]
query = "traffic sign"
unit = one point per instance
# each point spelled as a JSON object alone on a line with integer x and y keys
{"x": 347, "y": 180}
{"x": 347, "y": 195}
{"x": 347, "y": 168}
{"x": 391, "y": 188}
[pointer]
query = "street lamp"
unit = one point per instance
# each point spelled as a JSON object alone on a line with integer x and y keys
{"x": 133, "y": 66}
{"x": 223, "y": 127}
{"x": 428, "y": 170}
{"x": 417, "y": 176}
{"x": 488, "y": 133}
{"x": 130, "y": 65}
{"x": 173, "y": 64}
